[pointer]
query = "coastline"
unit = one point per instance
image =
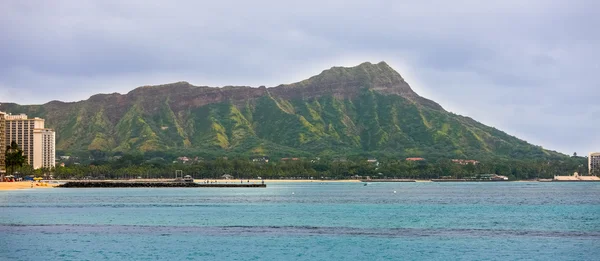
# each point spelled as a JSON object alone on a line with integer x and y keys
{"x": 7, "y": 186}
{"x": 255, "y": 181}
{"x": 24, "y": 185}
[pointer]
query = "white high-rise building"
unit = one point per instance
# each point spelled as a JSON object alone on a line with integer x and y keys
{"x": 48, "y": 140}
{"x": 2, "y": 143}
{"x": 594, "y": 163}
{"x": 37, "y": 143}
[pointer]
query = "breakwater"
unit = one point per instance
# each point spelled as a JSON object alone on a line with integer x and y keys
{"x": 121, "y": 184}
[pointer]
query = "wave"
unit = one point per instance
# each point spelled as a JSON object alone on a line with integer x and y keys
{"x": 290, "y": 231}
{"x": 114, "y": 205}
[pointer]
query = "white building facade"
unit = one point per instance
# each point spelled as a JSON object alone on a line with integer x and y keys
{"x": 48, "y": 140}
{"x": 37, "y": 143}
{"x": 594, "y": 163}
{"x": 2, "y": 143}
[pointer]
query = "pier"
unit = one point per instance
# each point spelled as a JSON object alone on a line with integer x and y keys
{"x": 130, "y": 184}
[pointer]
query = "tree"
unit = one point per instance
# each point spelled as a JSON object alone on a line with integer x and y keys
{"x": 14, "y": 157}
{"x": 574, "y": 154}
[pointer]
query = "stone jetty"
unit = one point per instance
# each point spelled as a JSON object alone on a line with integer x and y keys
{"x": 129, "y": 184}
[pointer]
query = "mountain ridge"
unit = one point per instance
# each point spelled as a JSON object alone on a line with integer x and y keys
{"x": 368, "y": 108}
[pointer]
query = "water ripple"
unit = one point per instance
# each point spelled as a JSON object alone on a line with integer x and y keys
{"x": 291, "y": 231}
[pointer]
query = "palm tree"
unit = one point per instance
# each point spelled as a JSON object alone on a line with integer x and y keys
{"x": 14, "y": 157}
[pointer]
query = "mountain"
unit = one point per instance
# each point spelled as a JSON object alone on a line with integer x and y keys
{"x": 368, "y": 110}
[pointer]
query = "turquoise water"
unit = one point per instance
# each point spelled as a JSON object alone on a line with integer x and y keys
{"x": 306, "y": 221}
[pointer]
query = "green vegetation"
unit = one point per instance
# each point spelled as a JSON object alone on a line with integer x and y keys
{"x": 363, "y": 111}
{"x": 14, "y": 157}
{"x": 158, "y": 165}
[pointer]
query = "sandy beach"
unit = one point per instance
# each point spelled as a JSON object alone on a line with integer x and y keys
{"x": 24, "y": 185}
{"x": 27, "y": 184}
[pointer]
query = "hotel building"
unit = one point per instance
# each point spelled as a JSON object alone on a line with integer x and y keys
{"x": 594, "y": 163}
{"x": 36, "y": 142}
{"x": 48, "y": 139}
{"x": 2, "y": 143}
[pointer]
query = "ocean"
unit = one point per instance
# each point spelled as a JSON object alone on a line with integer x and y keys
{"x": 306, "y": 221}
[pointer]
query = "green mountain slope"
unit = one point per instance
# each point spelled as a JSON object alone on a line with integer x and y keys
{"x": 368, "y": 110}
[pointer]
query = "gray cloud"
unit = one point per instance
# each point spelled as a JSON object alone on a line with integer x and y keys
{"x": 526, "y": 67}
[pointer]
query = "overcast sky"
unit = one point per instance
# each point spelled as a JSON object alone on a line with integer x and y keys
{"x": 529, "y": 68}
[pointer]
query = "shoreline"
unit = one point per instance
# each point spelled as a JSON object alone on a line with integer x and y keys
{"x": 9, "y": 186}
{"x": 4, "y": 186}
{"x": 18, "y": 185}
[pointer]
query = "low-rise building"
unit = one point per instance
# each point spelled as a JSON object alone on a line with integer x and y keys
{"x": 465, "y": 162}
{"x": 183, "y": 159}
{"x": 373, "y": 161}
{"x": 263, "y": 159}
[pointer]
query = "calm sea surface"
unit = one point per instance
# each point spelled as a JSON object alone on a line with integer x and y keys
{"x": 306, "y": 221}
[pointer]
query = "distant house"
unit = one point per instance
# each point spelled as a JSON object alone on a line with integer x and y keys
{"x": 373, "y": 161}
{"x": 264, "y": 159}
{"x": 465, "y": 162}
{"x": 183, "y": 159}
{"x": 415, "y": 159}
{"x": 494, "y": 177}
{"x": 290, "y": 159}
{"x": 227, "y": 176}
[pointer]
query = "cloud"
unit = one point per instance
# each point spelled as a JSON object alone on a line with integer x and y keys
{"x": 526, "y": 67}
